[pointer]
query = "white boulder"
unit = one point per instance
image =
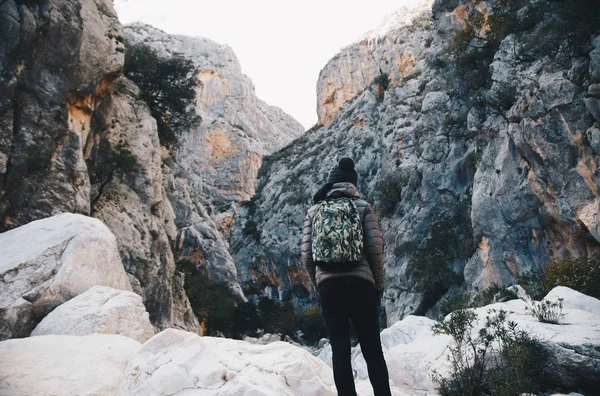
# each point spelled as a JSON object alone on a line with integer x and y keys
{"x": 413, "y": 353}
{"x": 572, "y": 299}
{"x": 99, "y": 310}
{"x": 182, "y": 363}
{"x": 47, "y": 262}
{"x": 64, "y": 365}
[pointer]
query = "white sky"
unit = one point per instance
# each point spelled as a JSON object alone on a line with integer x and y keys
{"x": 282, "y": 46}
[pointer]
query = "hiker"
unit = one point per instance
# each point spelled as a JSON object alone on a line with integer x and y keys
{"x": 342, "y": 250}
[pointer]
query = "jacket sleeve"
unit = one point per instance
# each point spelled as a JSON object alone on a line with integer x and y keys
{"x": 374, "y": 245}
{"x": 307, "y": 249}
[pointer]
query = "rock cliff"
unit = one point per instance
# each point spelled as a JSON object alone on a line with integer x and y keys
{"x": 76, "y": 137}
{"x": 478, "y": 175}
{"x": 216, "y": 165}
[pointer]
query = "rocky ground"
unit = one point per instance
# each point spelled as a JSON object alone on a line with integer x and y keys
{"x": 100, "y": 341}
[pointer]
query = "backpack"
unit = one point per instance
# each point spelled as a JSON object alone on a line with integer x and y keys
{"x": 337, "y": 235}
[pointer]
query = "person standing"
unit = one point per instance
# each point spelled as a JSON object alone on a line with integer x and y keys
{"x": 342, "y": 250}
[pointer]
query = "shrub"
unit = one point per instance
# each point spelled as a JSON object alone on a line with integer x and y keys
{"x": 383, "y": 80}
{"x": 450, "y": 238}
{"x": 106, "y": 162}
{"x": 490, "y": 295}
{"x": 389, "y": 189}
{"x": 311, "y": 326}
{"x": 454, "y": 302}
{"x": 581, "y": 274}
{"x": 547, "y": 311}
{"x": 499, "y": 359}
{"x": 211, "y": 301}
{"x": 167, "y": 86}
{"x": 251, "y": 229}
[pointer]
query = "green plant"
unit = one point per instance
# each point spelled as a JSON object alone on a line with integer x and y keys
{"x": 389, "y": 189}
{"x": 251, "y": 229}
{"x": 211, "y": 301}
{"x": 454, "y": 302}
{"x": 450, "y": 238}
{"x": 106, "y": 162}
{"x": 497, "y": 359}
{"x": 167, "y": 86}
{"x": 547, "y": 311}
{"x": 383, "y": 80}
{"x": 581, "y": 274}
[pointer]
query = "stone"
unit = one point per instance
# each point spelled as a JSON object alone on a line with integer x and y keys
{"x": 175, "y": 361}
{"x": 99, "y": 310}
{"x": 45, "y": 171}
{"x": 572, "y": 299}
{"x": 593, "y": 135}
{"x": 593, "y": 106}
{"x": 556, "y": 90}
{"x": 395, "y": 48}
{"x": 47, "y": 262}
{"x": 594, "y": 90}
{"x": 216, "y": 165}
{"x": 64, "y": 365}
{"x": 435, "y": 101}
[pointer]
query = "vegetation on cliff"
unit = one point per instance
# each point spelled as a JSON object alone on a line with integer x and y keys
{"x": 168, "y": 86}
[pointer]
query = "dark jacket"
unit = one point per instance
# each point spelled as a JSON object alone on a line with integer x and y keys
{"x": 371, "y": 267}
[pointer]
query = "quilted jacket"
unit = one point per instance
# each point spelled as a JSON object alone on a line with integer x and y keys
{"x": 371, "y": 267}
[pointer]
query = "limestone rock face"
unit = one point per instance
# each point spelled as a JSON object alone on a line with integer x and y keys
{"x": 478, "y": 189}
{"x": 393, "y": 49}
{"x": 134, "y": 205}
{"x": 99, "y": 310}
{"x": 56, "y": 57}
{"x": 61, "y": 96}
{"x": 49, "y": 261}
{"x": 64, "y": 365}
{"x": 175, "y": 361}
{"x": 216, "y": 165}
{"x": 223, "y": 155}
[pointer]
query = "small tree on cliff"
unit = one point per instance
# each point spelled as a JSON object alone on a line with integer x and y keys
{"x": 168, "y": 86}
{"x": 106, "y": 163}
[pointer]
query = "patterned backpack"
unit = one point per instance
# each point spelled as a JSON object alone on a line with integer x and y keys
{"x": 337, "y": 235}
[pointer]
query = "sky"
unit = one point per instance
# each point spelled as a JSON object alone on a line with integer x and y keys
{"x": 281, "y": 45}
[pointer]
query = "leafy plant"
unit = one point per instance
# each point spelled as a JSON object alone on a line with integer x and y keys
{"x": 547, "y": 311}
{"x": 498, "y": 359}
{"x": 389, "y": 188}
{"x": 167, "y": 86}
{"x": 106, "y": 163}
{"x": 581, "y": 274}
{"x": 212, "y": 302}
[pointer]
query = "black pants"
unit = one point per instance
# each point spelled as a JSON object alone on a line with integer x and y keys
{"x": 353, "y": 299}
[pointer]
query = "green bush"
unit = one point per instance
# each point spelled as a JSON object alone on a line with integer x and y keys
{"x": 251, "y": 229}
{"x": 106, "y": 162}
{"x": 383, "y": 80}
{"x": 450, "y": 238}
{"x": 547, "y": 311}
{"x": 167, "y": 86}
{"x": 499, "y": 359}
{"x": 458, "y": 301}
{"x": 212, "y": 301}
{"x": 389, "y": 190}
{"x": 581, "y": 274}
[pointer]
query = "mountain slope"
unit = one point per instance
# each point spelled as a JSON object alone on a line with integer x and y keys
{"x": 479, "y": 174}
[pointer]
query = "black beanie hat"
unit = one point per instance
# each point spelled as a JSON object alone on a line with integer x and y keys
{"x": 343, "y": 172}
